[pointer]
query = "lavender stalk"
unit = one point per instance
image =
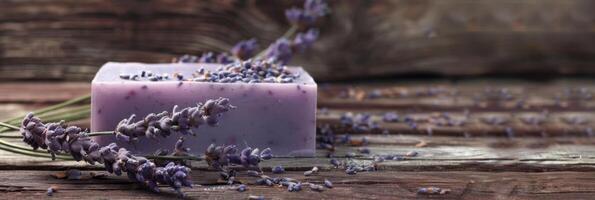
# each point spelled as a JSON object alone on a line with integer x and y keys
{"x": 58, "y": 138}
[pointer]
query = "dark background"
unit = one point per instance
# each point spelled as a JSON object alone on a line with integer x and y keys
{"x": 385, "y": 39}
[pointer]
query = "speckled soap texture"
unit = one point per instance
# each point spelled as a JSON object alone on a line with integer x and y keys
{"x": 281, "y": 116}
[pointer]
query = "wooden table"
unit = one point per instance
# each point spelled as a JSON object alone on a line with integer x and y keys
{"x": 554, "y": 160}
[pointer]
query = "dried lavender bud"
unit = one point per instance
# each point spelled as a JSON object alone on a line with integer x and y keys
{"x": 364, "y": 150}
{"x": 390, "y": 117}
{"x": 328, "y": 183}
{"x": 308, "y": 173}
{"x": 312, "y": 10}
{"x": 350, "y": 155}
{"x": 179, "y": 147}
{"x": 242, "y": 188}
{"x": 220, "y": 157}
{"x": 253, "y": 173}
{"x": 411, "y": 154}
{"x": 183, "y": 121}
{"x": 254, "y": 197}
{"x": 302, "y": 41}
{"x": 278, "y": 169}
{"x": 314, "y": 170}
{"x": 125, "y": 76}
{"x": 294, "y": 187}
{"x": 57, "y": 138}
{"x": 280, "y": 51}
{"x": 317, "y": 8}
{"x": 335, "y": 162}
{"x": 245, "y": 49}
{"x": 316, "y": 187}
{"x": 431, "y": 190}
{"x": 509, "y": 132}
{"x": 74, "y": 174}
{"x": 50, "y": 191}
{"x": 350, "y": 171}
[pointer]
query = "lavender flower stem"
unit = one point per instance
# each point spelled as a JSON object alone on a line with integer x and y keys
{"x": 9, "y": 126}
{"x": 54, "y": 107}
{"x": 288, "y": 34}
{"x": 7, "y": 146}
{"x": 17, "y": 119}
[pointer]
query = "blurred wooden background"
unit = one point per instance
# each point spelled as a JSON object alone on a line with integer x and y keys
{"x": 70, "y": 39}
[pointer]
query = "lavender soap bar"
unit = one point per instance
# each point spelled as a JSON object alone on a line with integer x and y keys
{"x": 277, "y": 112}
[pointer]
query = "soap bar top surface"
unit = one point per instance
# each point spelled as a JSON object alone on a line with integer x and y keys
{"x": 111, "y": 71}
{"x": 281, "y": 116}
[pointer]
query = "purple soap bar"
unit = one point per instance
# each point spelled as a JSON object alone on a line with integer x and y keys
{"x": 281, "y": 116}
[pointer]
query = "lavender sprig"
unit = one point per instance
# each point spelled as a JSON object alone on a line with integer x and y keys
{"x": 245, "y": 49}
{"x": 221, "y": 157}
{"x": 182, "y": 121}
{"x": 59, "y": 138}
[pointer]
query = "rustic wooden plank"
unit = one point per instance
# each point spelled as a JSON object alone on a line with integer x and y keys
{"x": 69, "y": 40}
{"x": 439, "y": 153}
{"x": 42, "y": 92}
{"x": 372, "y": 185}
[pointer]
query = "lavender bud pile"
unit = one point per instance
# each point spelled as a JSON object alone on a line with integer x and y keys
{"x": 249, "y": 71}
{"x": 181, "y": 121}
{"x": 59, "y": 138}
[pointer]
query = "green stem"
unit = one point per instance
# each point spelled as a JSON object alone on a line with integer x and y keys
{"x": 26, "y": 151}
{"x": 54, "y": 107}
{"x": 9, "y": 126}
{"x": 63, "y": 112}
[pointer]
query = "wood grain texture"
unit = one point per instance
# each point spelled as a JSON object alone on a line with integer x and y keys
{"x": 69, "y": 40}
{"x": 375, "y": 185}
{"x": 482, "y": 165}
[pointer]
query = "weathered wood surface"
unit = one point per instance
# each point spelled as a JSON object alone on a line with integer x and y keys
{"x": 482, "y": 165}
{"x": 378, "y": 185}
{"x": 69, "y": 39}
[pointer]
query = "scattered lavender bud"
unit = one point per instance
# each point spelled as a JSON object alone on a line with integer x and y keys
{"x": 254, "y": 197}
{"x": 125, "y": 76}
{"x": 308, "y": 173}
{"x": 316, "y": 187}
{"x": 253, "y": 173}
{"x": 328, "y": 183}
{"x": 74, "y": 174}
{"x": 350, "y": 155}
{"x": 278, "y": 169}
{"x": 50, "y": 191}
{"x": 350, "y": 171}
{"x": 364, "y": 150}
{"x": 294, "y": 187}
{"x": 509, "y": 132}
{"x": 431, "y": 190}
{"x": 242, "y": 188}
{"x": 179, "y": 147}
{"x": 411, "y": 154}
{"x": 390, "y": 117}
{"x": 335, "y": 162}
{"x": 314, "y": 169}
